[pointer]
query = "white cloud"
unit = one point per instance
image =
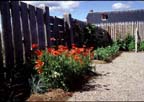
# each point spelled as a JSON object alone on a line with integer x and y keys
{"x": 62, "y": 6}
{"x": 84, "y": 20}
{"x": 121, "y": 6}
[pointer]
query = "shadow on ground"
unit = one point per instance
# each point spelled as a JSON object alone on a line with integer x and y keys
{"x": 14, "y": 83}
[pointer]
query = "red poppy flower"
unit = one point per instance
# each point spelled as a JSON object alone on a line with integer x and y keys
{"x": 38, "y": 53}
{"x": 55, "y": 53}
{"x": 34, "y": 46}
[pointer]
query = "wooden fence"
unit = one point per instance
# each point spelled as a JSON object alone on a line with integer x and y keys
{"x": 121, "y": 29}
{"x": 24, "y": 25}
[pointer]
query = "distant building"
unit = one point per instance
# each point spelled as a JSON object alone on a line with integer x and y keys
{"x": 119, "y": 23}
{"x": 115, "y": 16}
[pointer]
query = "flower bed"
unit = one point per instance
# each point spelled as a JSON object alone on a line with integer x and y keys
{"x": 107, "y": 53}
{"x": 60, "y": 68}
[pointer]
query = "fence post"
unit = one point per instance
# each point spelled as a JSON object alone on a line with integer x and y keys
{"x": 136, "y": 39}
{"x": 68, "y": 29}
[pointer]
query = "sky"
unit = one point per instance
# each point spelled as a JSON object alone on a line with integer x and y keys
{"x": 80, "y": 9}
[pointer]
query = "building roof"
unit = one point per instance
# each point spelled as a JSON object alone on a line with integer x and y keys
{"x": 116, "y": 16}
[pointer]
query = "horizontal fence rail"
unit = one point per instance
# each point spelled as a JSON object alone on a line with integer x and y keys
{"x": 24, "y": 25}
{"x": 121, "y": 29}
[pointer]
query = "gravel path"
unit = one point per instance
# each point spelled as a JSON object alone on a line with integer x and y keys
{"x": 121, "y": 80}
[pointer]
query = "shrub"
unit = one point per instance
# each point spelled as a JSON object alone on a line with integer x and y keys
{"x": 128, "y": 44}
{"x": 96, "y": 36}
{"x": 58, "y": 68}
{"x": 131, "y": 46}
{"x": 106, "y": 53}
{"x": 141, "y": 47}
{"x": 121, "y": 43}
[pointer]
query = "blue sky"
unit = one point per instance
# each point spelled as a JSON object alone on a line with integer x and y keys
{"x": 80, "y": 9}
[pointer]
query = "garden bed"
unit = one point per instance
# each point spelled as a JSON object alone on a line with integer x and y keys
{"x": 51, "y": 95}
{"x": 59, "y": 72}
{"x": 61, "y": 95}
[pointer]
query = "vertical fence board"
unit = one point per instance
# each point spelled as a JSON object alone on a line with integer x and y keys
{"x": 47, "y": 21}
{"x": 68, "y": 29}
{"x": 61, "y": 31}
{"x": 52, "y": 35}
{"x": 26, "y": 32}
{"x": 56, "y": 34}
{"x": 7, "y": 33}
{"x": 62, "y": 34}
{"x": 41, "y": 33}
{"x": 121, "y": 29}
{"x": 1, "y": 56}
{"x": 33, "y": 27}
{"x": 17, "y": 32}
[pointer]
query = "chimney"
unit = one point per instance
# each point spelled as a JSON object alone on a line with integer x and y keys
{"x": 91, "y": 11}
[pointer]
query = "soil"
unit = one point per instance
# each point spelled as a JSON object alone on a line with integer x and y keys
{"x": 51, "y": 95}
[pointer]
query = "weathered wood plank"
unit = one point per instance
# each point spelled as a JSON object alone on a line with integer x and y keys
{"x": 52, "y": 34}
{"x": 17, "y": 32}
{"x": 33, "y": 27}
{"x": 41, "y": 33}
{"x": 47, "y": 21}
{"x": 121, "y": 29}
{"x": 1, "y": 56}
{"x": 26, "y": 31}
{"x": 68, "y": 29}
{"x": 56, "y": 33}
{"x": 7, "y": 33}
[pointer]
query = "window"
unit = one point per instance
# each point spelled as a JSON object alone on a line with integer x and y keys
{"x": 104, "y": 17}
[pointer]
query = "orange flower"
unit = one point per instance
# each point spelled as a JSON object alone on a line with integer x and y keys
{"x": 84, "y": 53}
{"x": 38, "y": 53}
{"x": 34, "y": 46}
{"x": 39, "y": 65}
{"x": 50, "y": 50}
{"x": 80, "y": 50}
{"x": 72, "y": 52}
{"x": 76, "y": 57}
{"x": 61, "y": 46}
{"x": 55, "y": 53}
{"x": 61, "y": 50}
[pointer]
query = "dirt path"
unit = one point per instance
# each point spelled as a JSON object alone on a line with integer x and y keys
{"x": 121, "y": 80}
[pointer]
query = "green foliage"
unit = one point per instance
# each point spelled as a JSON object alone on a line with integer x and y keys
{"x": 37, "y": 85}
{"x": 90, "y": 38}
{"x": 107, "y": 52}
{"x": 121, "y": 44}
{"x": 141, "y": 47}
{"x": 128, "y": 44}
{"x": 96, "y": 37}
{"x": 131, "y": 46}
